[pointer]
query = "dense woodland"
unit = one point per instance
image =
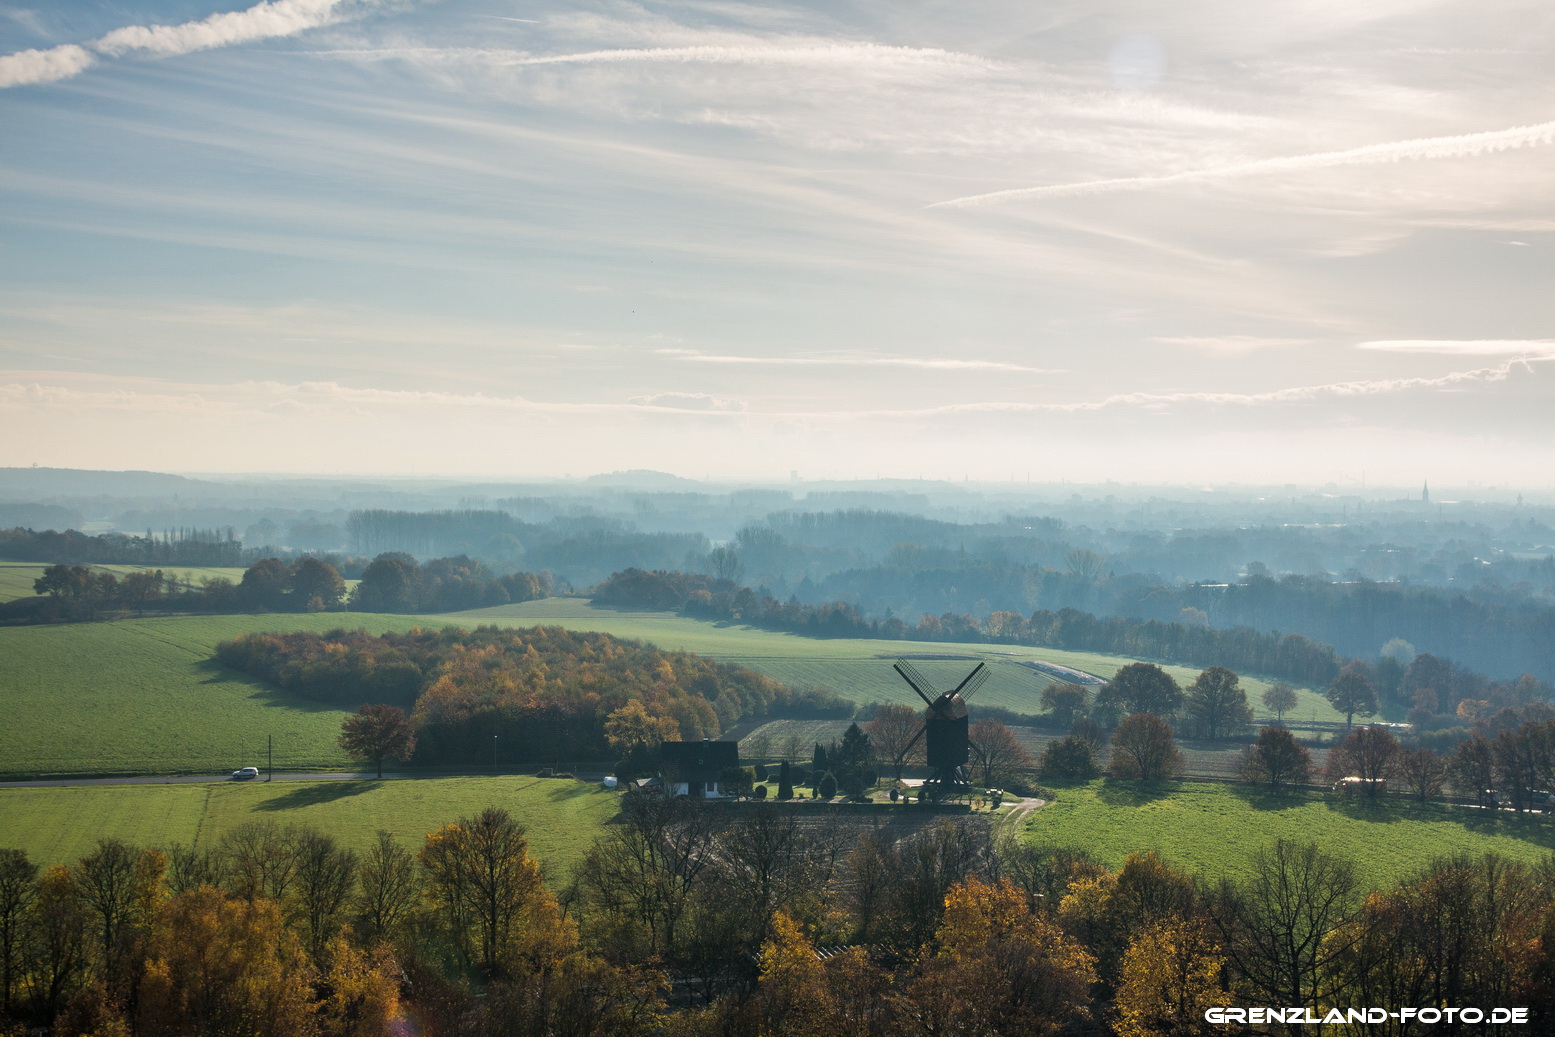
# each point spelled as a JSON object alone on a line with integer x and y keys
{"x": 686, "y": 920}
{"x": 544, "y": 695}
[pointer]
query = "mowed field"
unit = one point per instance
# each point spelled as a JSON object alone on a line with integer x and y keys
{"x": 1214, "y": 829}
{"x": 141, "y": 696}
{"x": 58, "y": 825}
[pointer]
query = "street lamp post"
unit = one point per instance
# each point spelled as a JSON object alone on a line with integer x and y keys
{"x": 493, "y": 752}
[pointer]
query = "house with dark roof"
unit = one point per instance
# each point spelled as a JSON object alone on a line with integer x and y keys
{"x": 692, "y": 768}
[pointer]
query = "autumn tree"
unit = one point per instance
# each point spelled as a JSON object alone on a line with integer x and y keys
{"x": 1143, "y": 749}
{"x": 55, "y": 948}
{"x": 216, "y": 965}
{"x": 486, "y": 892}
{"x": 376, "y": 733}
{"x": 999, "y": 968}
{"x": 1143, "y": 688}
{"x": 1105, "y": 911}
{"x": 1216, "y": 703}
{"x": 892, "y": 732}
{"x": 1045, "y": 871}
{"x": 361, "y": 991}
{"x": 1276, "y": 759}
{"x": 1282, "y": 699}
{"x": 1352, "y": 693}
{"x": 1171, "y": 975}
{"x": 631, "y": 728}
{"x": 999, "y": 757}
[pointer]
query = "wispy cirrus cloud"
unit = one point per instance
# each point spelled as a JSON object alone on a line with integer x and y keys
{"x": 266, "y": 20}
{"x": 1465, "y": 347}
{"x": 1459, "y": 146}
{"x": 699, "y": 402}
{"x": 1229, "y": 343}
{"x": 854, "y": 360}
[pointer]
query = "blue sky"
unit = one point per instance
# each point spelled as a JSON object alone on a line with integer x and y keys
{"x": 1205, "y": 240}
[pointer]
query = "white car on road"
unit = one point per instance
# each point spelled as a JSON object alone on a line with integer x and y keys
{"x": 245, "y": 773}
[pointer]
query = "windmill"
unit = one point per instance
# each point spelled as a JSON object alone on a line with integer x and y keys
{"x": 945, "y": 724}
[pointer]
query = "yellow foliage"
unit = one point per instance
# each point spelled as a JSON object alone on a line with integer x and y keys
{"x": 1171, "y": 974}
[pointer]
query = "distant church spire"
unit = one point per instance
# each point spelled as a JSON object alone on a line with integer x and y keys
{"x": 1425, "y": 492}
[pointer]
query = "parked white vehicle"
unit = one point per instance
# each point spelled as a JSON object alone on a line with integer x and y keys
{"x": 245, "y": 773}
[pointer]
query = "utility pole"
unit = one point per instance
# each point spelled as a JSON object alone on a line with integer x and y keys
{"x": 269, "y": 757}
{"x": 493, "y": 753}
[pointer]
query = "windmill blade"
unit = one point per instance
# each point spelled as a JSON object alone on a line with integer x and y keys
{"x": 918, "y": 681}
{"x": 904, "y": 752}
{"x": 973, "y": 681}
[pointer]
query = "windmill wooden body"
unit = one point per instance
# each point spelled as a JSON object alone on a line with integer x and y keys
{"x": 945, "y": 726}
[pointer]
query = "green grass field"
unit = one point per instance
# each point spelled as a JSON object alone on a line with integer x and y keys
{"x": 1213, "y": 829}
{"x": 142, "y": 696}
{"x": 58, "y": 825}
{"x": 16, "y": 577}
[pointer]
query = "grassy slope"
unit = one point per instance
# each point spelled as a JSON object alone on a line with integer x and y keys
{"x": 58, "y": 825}
{"x": 140, "y": 695}
{"x": 1214, "y": 830}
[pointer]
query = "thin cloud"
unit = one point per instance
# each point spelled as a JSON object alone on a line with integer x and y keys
{"x": 1294, "y": 394}
{"x": 1461, "y": 146}
{"x": 838, "y": 54}
{"x": 929, "y": 363}
{"x": 263, "y": 21}
{"x": 1231, "y": 343}
{"x": 700, "y": 402}
{"x": 1465, "y": 347}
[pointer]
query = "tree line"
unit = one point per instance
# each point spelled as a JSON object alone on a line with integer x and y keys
{"x": 684, "y": 920}
{"x": 389, "y": 583}
{"x": 542, "y": 695}
{"x": 193, "y": 547}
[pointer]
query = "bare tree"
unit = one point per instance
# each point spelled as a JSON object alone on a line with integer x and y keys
{"x": 891, "y": 732}
{"x": 1421, "y": 771}
{"x": 1000, "y": 757}
{"x": 386, "y": 888}
{"x": 1367, "y": 754}
{"x": 1277, "y": 928}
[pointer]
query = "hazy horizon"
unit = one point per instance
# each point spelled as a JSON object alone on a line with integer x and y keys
{"x": 1201, "y": 244}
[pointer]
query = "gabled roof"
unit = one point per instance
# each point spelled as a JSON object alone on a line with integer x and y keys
{"x": 699, "y": 761}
